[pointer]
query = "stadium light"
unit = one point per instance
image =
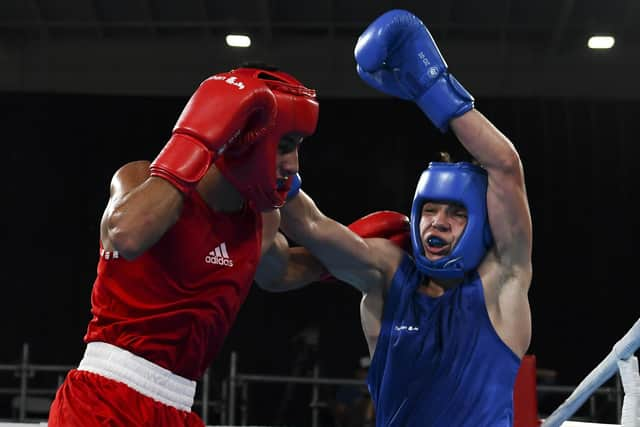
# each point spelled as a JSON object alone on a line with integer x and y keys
{"x": 237, "y": 40}
{"x": 601, "y": 42}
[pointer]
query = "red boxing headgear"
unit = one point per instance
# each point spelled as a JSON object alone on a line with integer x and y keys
{"x": 252, "y": 171}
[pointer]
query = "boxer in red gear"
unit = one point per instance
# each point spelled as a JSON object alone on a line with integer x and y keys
{"x": 181, "y": 241}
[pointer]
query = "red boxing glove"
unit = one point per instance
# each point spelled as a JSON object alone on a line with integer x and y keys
{"x": 224, "y": 110}
{"x": 390, "y": 225}
{"x": 386, "y": 224}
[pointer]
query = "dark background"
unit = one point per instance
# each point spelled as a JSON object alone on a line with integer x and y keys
{"x": 87, "y": 85}
{"x": 580, "y": 159}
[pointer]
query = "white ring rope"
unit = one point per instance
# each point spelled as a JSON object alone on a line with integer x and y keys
{"x": 631, "y": 386}
{"x": 622, "y": 350}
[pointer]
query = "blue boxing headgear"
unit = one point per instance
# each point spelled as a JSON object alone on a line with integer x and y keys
{"x": 463, "y": 183}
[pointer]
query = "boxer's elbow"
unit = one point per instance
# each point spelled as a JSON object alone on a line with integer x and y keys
{"x": 289, "y": 270}
{"x": 273, "y": 265}
{"x": 271, "y": 278}
{"x": 505, "y": 161}
{"x": 282, "y": 282}
{"x": 124, "y": 236}
{"x": 510, "y": 162}
{"x": 127, "y": 245}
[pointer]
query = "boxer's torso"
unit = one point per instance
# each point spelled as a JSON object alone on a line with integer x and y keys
{"x": 174, "y": 305}
{"x": 438, "y": 361}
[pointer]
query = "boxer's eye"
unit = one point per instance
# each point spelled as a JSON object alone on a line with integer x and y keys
{"x": 288, "y": 143}
{"x": 458, "y": 210}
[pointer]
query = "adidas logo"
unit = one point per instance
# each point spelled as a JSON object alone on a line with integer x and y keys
{"x": 219, "y": 256}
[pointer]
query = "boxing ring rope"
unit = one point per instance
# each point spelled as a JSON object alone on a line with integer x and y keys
{"x": 622, "y": 350}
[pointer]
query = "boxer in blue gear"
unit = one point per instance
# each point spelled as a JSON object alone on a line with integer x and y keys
{"x": 448, "y": 323}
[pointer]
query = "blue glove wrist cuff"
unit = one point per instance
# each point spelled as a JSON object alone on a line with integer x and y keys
{"x": 445, "y": 100}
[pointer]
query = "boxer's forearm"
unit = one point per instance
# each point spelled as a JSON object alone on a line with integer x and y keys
{"x": 507, "y": 204}
{"x": 344, "y": 253}
{"x": 486, "y": 143}
{"x": 328, "y": 240}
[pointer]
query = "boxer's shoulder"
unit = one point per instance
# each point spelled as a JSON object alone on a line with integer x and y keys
{"x": 129, "y": 176}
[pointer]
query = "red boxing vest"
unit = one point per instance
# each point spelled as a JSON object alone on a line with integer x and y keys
{"x": 174, "y": 305}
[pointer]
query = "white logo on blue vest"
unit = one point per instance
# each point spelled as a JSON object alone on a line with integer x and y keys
{"x": 407, "y": 328}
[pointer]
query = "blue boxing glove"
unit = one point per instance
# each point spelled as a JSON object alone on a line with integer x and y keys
{"x": 296, "y": 183}
{"x": 397, "y": 55}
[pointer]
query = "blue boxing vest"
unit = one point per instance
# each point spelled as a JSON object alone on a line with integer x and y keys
{"x": 438, "y": 361}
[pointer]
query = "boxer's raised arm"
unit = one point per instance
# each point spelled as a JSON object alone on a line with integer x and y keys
{"x": 507, "y": 205}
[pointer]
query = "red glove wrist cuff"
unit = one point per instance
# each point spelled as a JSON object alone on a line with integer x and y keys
{"x": 183, "y": 162}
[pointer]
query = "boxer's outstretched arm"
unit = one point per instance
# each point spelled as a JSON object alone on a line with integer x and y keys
{"x": 140, "y": 210}
{"x": 363, "y": 263}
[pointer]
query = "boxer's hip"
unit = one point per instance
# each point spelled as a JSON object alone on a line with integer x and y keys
{"x": 144, "y": 376}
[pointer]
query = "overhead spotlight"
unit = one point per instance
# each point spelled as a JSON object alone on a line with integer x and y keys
{"x": 237, "y": 40}
{"x": 601, "y": 42}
